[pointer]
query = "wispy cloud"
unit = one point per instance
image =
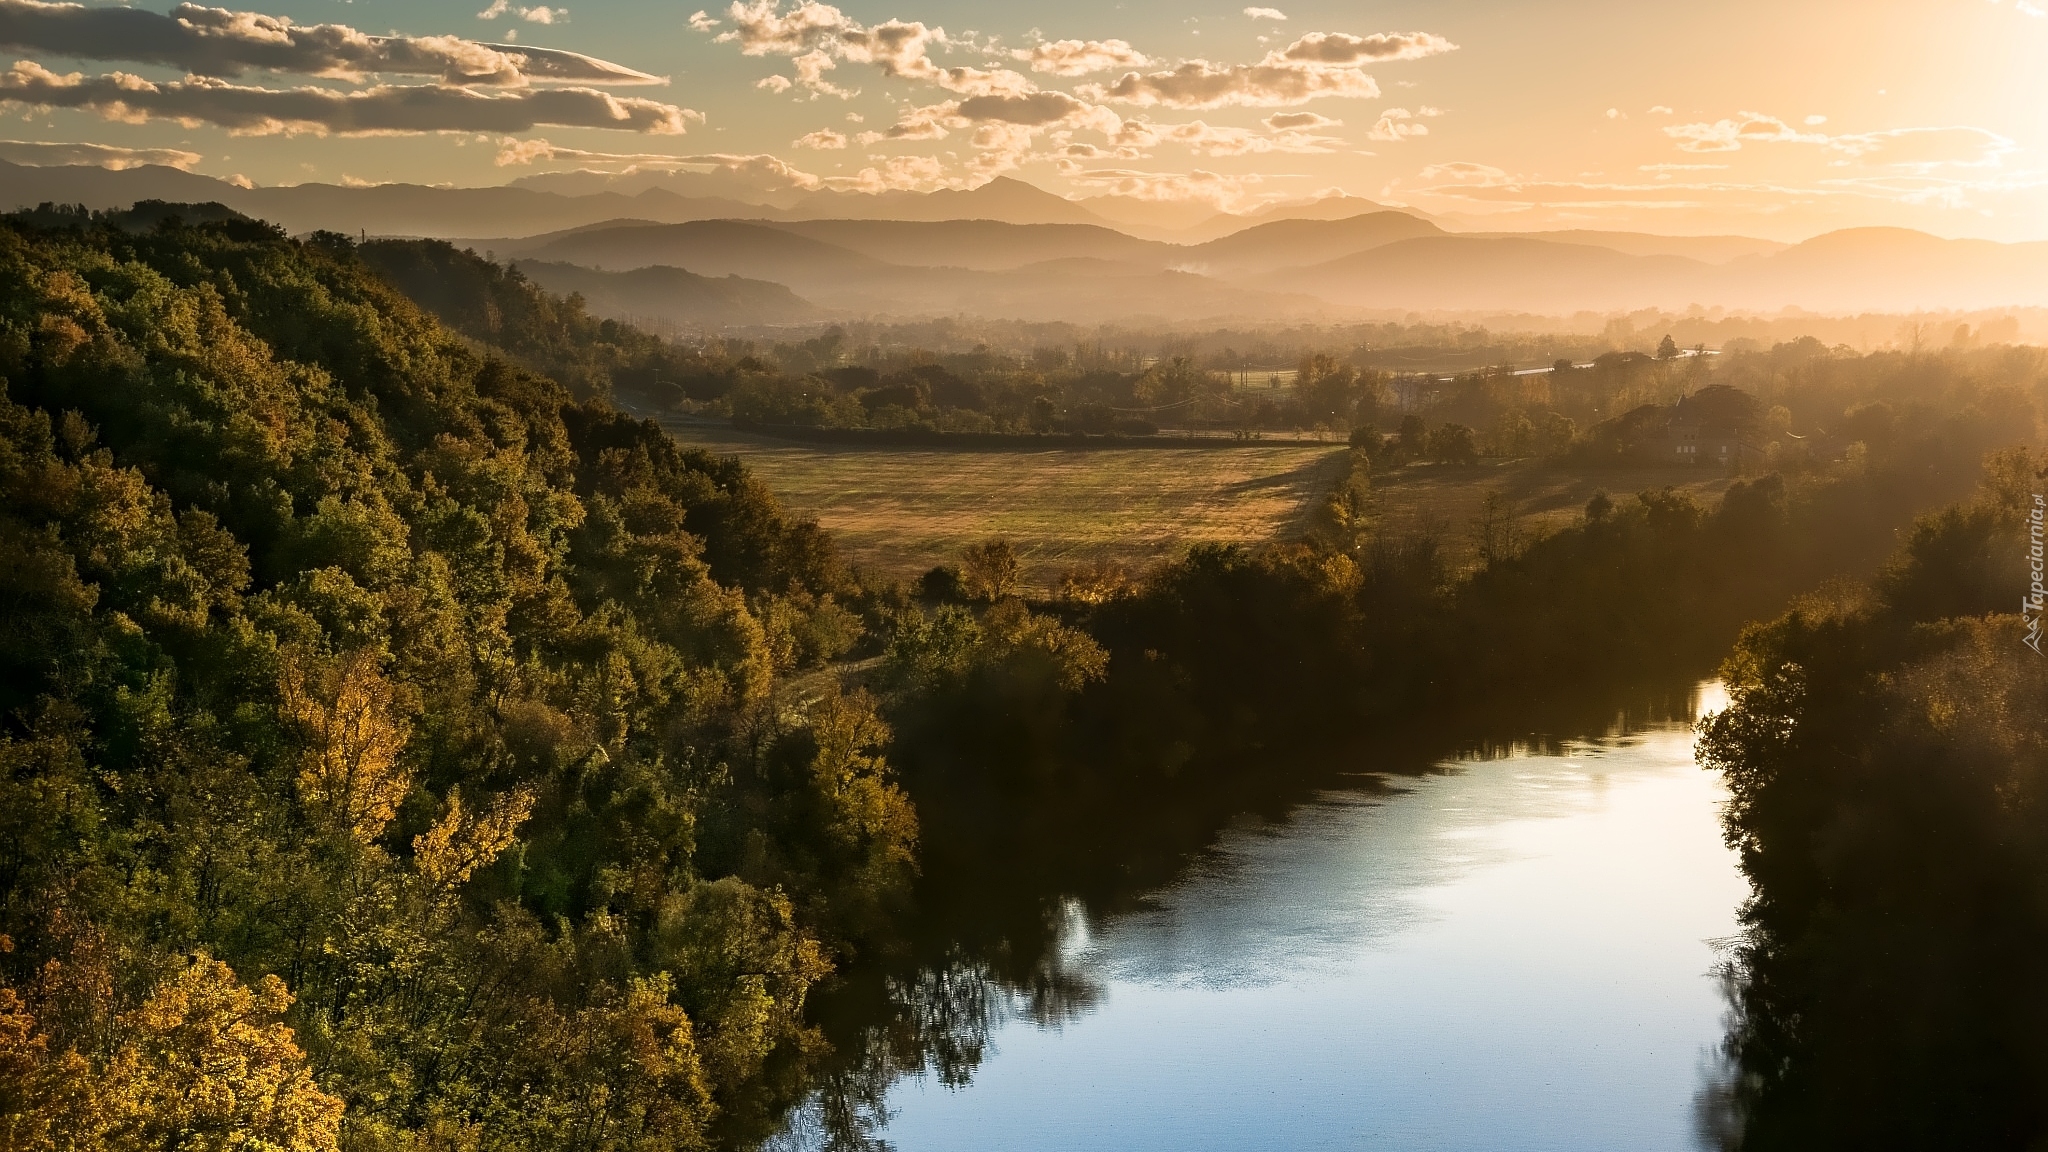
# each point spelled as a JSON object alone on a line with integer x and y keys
{"x": 1729, "y": 135}
{"x": 1265, "y": 13}
{"x": 217, "y": 42}
{"x": 40, "y": 154}
{"x": 385, "y": 109}
{"x": 1921, "y": 148}
{"x": 1224, "y": 193}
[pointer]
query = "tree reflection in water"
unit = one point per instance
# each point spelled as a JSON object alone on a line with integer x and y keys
{"x": 938, "y": 1021}
{"x": 1001, "y": 936}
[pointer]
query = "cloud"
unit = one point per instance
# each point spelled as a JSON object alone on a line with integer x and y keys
{"x": 1265, "y": 13}
{"x": 1224, "y": 193}
{"x": 1200, "y": 84}
{"x": 1299, "y": 121}
{"x": 762, "y": 29}
{"x": 823, "y": 138}
{"x": 919, "y": 122}
{"x": 1465, "y": 172}
{"x": 1815, "y": 121}
{"x": 1380, "y": 47}
{"x": 1490, "y": 188}
{"x": 217, "y": 42}
{"x": 896, "y": 174}
{"x": 1395, "y": 125}
{"x": 702, "y": 21}
{"x": 1660, "y": 110}
{"x": 775, "y": 83}
{"x": 1728, "y": 135}
{"x": 512, "y": 150}
{"x": 1206, "y": 140}
{"x": 1912, "y": 149}
{"x": 1925, "y": 149}
{"x": 39, "y": 154}
{"x": 531, "y": 15}
{"x": 769, "y": 169}
{"x": 810, "y": 73}
{"x": 818, "y": 36}
{"x": 1080, "y": 57}
{"x": 382, "y": 110}
{"x": 1037, "y": 109}
{"x": 1317, "y": 65}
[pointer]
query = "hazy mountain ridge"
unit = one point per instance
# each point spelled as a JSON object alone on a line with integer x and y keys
{"x": 1080, "y": 269}
{"x": 674, "y": 295}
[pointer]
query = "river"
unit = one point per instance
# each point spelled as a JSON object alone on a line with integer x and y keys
{"x": 1508, "y": 953}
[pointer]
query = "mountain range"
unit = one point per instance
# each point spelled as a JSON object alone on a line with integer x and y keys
{"x": 1010, "y": 250}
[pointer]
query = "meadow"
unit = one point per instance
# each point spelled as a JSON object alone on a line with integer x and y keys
{"x": 901, "y": 510}
{"x": 1542, "y": 496}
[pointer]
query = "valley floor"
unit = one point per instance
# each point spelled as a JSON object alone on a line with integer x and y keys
{"x": 901, "y": 510}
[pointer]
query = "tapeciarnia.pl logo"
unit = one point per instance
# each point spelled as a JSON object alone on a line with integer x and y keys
{"x": 2036, "y": 599}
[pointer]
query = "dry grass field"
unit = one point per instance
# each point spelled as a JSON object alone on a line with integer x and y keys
{"x": 899, "y": 511}
{"x": 1544, "y": 497}
{"x": 902, "y": 510}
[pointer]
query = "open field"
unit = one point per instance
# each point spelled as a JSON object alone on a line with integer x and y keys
{"x": 902, "y": 510}
{"x": 1544, "y": 496}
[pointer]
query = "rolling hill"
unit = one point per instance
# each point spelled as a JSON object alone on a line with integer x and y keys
{"x": 1507, "y": 273}
{"x": 1287, "y": 243}
{"x": 982, "y": 245}
{"x": 675, "y": 296}
{"x": 709, "y": 248}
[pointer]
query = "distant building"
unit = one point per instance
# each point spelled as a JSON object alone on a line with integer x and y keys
{"x": 1715, "y": 426}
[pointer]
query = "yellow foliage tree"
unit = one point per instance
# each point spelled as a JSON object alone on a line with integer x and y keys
{"x": 204, "y": 1064}
{"x": 351, "y": 777}
{"x": 461, "y": 842}
{"x": 990, "y": 570}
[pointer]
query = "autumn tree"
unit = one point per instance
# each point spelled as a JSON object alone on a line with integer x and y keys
{"x": 990, "y": 570}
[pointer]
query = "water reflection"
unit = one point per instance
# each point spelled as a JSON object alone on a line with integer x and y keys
{"x": 1507, "y": 952}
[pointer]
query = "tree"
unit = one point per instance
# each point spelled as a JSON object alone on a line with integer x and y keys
{"x": 989, "y": 570}
{"x": 1496, "y": 530}
{"x": 351, "y": 777}
{"x": 203, "y": 1063}
{"x": 1667, "y": 349}
{"x": 1413, "y": 437}
{"x": 1453, "y": 444}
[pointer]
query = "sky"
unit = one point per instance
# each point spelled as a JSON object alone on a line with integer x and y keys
{"x": 1780, "y": 119}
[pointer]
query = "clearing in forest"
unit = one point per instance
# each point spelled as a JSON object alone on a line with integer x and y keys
{"x": 901, "y": 510}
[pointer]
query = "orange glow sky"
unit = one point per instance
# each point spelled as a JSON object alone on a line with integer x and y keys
{"x": 1777, "y": 119}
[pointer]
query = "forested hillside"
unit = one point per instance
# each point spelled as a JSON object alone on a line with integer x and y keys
{"x": 393, "y": 748}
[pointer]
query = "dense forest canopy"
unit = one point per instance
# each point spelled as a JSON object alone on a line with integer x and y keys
{"x": 392, "y": 740}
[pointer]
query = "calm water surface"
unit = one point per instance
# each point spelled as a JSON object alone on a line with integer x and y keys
{"x": 1514, "y": 954}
